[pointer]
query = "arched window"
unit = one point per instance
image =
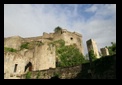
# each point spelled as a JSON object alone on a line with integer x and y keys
{"x": 29, "y": 65}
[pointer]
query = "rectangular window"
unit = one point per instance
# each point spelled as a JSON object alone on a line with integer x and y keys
{"x": 15, "y": 68}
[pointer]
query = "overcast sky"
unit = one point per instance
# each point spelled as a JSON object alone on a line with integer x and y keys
{"x": 96, "y": 21}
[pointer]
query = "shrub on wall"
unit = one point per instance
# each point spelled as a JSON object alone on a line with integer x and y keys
{"x": 38, "y": 75}
{"x": 30, "y": 45}
{"x": 69, "y": 56}
{"x": 112, "y": 48}
{"x": 58, "y": 43}
{"x": 10, "y": 49}
{"x": 28, "y": 75}
{"x": 24, "y": 45}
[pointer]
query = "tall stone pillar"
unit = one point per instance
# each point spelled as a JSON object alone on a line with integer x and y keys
{"x": 104, "y": 51}
{"x": 91, "y": 45}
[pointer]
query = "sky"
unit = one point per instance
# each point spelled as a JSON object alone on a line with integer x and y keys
{"x": 93, "y": 21}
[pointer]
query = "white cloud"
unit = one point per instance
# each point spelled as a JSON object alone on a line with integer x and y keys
{"x": 93, "y": 8}
{"x": 29, "y": 20}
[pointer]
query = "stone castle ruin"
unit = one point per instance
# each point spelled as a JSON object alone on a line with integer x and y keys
{"x": 91, "y": 45}
{"x": 41, "y": 54}
{"x": 104, "y": 51}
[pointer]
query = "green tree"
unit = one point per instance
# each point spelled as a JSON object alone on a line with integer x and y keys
{"x": 112, "y": 48}
{"x": 28, "y": 75}
{"x": 57, "y": 29}
{"x": 69, "y": 56}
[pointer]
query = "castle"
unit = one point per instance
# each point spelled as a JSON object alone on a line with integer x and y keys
{"x": 39, "y": 57}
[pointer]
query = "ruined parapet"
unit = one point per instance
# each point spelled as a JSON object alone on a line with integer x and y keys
{"x": 63, "y": 30}
{"x": 46, "y": 35}
{"x": 77, "y": 34}
{"x": 104, "y": 51}
{"x": 14, "y": 64}
{"x": 70, "y": 38}
{"x": 44, "y": 57}
{"x": 41, "y": 56}
{"x": 13, "y": 42}
{"x": 91, "y": 45}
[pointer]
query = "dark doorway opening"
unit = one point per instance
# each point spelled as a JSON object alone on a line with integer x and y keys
{"x": 15, "y": 68}
{"x": 29, "y": 65}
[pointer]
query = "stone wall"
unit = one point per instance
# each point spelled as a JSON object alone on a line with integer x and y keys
{"x": 70, "y": 38}
{"x": 46, "y": 35}
{"x": 104, "y": 51}
{"x": 44, "y": 57}
{"x": 62, "y": 73}
{"x": 12, "y": 59}
{"x": 13, "y": 42}
{"x": 103, "y": 68}
{"x": 41, "y": 57}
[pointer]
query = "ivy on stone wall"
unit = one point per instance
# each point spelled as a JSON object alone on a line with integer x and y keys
{"x": 24, "y": 45}
{"x": 58, "y": 43}
{"x": 7, "y": 49}
{"x": 38, "y": 75}
{"x": 30, "y": 45}
{"x": 67, "y": 55}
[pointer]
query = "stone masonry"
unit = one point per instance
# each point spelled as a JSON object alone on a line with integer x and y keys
{"x": 40, "y": 57}
{"x": 91, "y": 45}
{"x": 104, "y": 51}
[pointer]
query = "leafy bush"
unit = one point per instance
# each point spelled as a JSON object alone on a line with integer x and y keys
{"x": 24, "y": 45}
{"x": 69, "y": 56}
{"x": 30, "y": 45}
{"x": 28, "y": 75}
{"x": 39, "y": 43}
{"x": 10, "y": 49}
{"x": 112, "y": 48}
{"x": 58, "y": 43}
{"x": 57, "y": 29}
{"x": 38, "y": 75}
{"x": 56, "y": 74}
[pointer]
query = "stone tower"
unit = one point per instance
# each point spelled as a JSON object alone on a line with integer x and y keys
{"x": 104, "y": 51}
{"x": 91, "y": 45}
{"x": 70, "y": 38}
